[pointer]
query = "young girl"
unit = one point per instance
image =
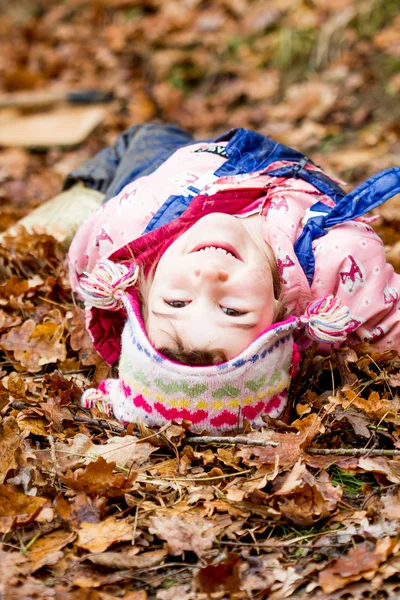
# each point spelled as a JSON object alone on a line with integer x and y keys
{"x": 190, "y": 269}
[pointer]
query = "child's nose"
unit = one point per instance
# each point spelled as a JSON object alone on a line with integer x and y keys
{"x": 211, "y": 273}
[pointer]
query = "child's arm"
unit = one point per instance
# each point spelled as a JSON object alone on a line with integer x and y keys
{"x": 350, "y": 263}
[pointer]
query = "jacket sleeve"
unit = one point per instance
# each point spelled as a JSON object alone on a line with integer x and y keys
{"x": 350, "y": 263}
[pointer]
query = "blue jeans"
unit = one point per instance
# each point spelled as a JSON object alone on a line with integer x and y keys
{"x": 139, "y": 151}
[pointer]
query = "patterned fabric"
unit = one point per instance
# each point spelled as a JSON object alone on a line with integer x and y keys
{"x": 154, "y": 389}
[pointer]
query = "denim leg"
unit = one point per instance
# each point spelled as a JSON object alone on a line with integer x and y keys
{"x": 139, "y": 151}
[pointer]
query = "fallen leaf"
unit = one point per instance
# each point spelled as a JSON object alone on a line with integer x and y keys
{"x": 374, "y": 406}
{"x": 128, "y": 559}
{"x": 312, "y": 99}
{"x": 125, "y": 451}
{"x": 10, "y": 441}
{"x": 12, "y": 565}
{"x": 223, "y": 577}
{"x": 391, "y": 506}
{"x": 187, "y": 531}
{"x": 381, "y": 464}
{"x": 304, "y": 499}
{"x": 80, "y": 339}
{"x": 388, "y": 38}
{"x": 98, "y": 479}
{"x": 290, "y": 445}
{"x": 97, "y": 537}
{"x": 16, "y": 508}
{"x": 357, "y": 420}
{"x": 47, "y": 550}
{"x": 35, "y": 345}
{"x": 363, "y": 560}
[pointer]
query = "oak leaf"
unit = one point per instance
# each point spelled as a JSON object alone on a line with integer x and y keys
{"x": 304, "y": 499}
{"x": 363, "y": 560}
{"x": 35, "y": 345}
{"x": 98, "y": 479}
{"x": 97, "y": 537}
{"x": 290, "y": 445}
{"x": 391, "y": 506}
{"x": 186, "y": 531}
{"x": 125, "y": 451}
{"x": 223, "y": 577}
{"x": 47, "y": 550}
{"x": 16, "y": 508}
{"x": 390, "y": 468}
{"x": 9, "y": 446}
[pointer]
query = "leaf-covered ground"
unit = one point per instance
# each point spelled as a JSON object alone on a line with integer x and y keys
{"x": 91, "y": 511}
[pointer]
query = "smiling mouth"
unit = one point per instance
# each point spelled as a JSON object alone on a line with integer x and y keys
{"x": 225, "y": 249}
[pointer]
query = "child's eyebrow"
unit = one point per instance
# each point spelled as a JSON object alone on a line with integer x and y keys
{"x": 236, "y": 325}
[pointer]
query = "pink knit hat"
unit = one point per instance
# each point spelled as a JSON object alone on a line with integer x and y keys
{"x": 154, "y": 389}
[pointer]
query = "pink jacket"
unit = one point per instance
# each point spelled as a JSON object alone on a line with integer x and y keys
{"x": 349, "y": 260}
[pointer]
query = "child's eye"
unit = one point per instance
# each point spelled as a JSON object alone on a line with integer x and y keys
{"x": 177, "y": 303}
{"x": 231, "y": 312}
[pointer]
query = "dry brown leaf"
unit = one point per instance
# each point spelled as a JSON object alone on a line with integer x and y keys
{"x": 391, "y": 506}
{"x": 359, "y": 562}
{"x": 97, "y": 537}
{"x": 381, "y": 464}
{"x": 187, "y": 531}
{"x": 389, "y": 38}
{"x": 7, "y": 321}
{"x": 223, "y": 577}
{"x": 313, "y": 99}
{"x": 290, "y": 445}
{"x": 375, "y": 406}
{"x": 80, "y": 340}
{"x": 128, "y": 558}
{"x": 98, "y": 479}
{"x": 357, "y": 420}
{"x": 13, "y": 288}
{"x": 80, "y": 509}
{"x": 221, "y": 505}
{"x": 12, "y": 564}
{"x": 10, "y": 441}
{"x": 34, "y": 426}
{"x": 304, "y": 499}
{"x": 35, "y": 345}
{"x": 124, "y": 451}
{"x": 47, "y": 550}
{"x": 16, "y": 508}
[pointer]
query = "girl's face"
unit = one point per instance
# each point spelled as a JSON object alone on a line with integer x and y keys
{"x": 213, "y": 288}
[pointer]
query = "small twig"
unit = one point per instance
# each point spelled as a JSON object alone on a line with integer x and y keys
{"x": 99, "y": 423}
{"x": 353, "y": 452}
{"x": 103, "y": 423}
{"x": 166, "y": 566}
{"x": 272, "y": 542}
{"x": 215, "y": 439}
{"x": 155, "y": 480}
{"x": 384, "y": 488}
{"x": 73, "y": 372}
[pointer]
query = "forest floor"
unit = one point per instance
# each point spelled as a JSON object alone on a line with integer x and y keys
{"x": 90, "y": 510}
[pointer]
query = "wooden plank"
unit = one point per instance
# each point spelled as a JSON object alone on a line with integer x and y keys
{"x": 65, "y": 126}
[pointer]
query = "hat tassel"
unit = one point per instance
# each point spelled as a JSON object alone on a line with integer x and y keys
{"x": 105, "y": 285}
{"x": 327, "y": 320}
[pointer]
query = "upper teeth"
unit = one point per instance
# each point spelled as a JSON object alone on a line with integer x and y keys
{"x": 215, "y": 249}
